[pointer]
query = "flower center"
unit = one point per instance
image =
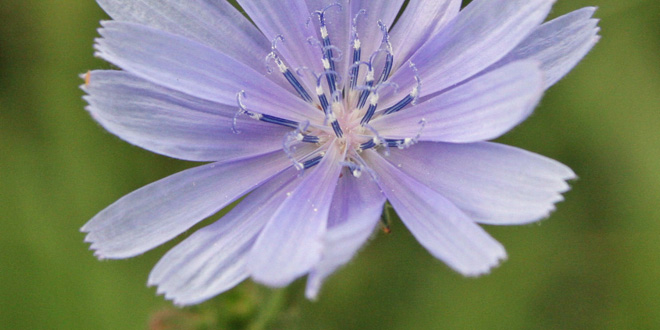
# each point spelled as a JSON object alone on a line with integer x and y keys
{"x": 348, "y": 105}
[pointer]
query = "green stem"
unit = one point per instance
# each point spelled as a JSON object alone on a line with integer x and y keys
{"x": 386, "y": 218}
{"x": 270, "y": 310}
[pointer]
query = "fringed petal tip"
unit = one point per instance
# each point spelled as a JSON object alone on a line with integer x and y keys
{"x": 194, "y": 287}
{"x": 488, "y": 258}
{"x": 87, "y": 78}
{"x": 180, "y": 300}
{"x": 590, "y": 9}
{"x": 103, "y": 252}
{"x": 564, "y": 178}
{"x": 564, "y": 175}
{"x": 497, "y": 257}
{"x": 97, "y": 250}
{"x": 89, "y": 239}
{"x": 179, "y": 295}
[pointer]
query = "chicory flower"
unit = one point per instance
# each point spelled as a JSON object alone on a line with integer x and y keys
{"x": 318, "y": 113}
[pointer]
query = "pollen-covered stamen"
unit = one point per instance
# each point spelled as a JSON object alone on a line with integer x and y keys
{"x": 369, "y": 83}
{"x": 242, "y": 110}
{"x": 289, "y": 145}
{"x": 275, "y": 120}
{"x": 357, "y": 50}
{"x": 328, "y": 109}
{"x": 370, "y": 144}
{"x": 400, "y": 143}
{"x": 298, "y": 136}
{"x": 411, "y": 98}
{"x": 328, "y": 60}
{"x": 322, "y": 98}
{"x": 310, "y": 139}
{"x": 301, "y": 166}
{"x": 285, "y": 70}
{"x": 386, "y": 47}
{"x": 375, "y": 141}
{"x": 314, "y": 161}
{"x": 407, "y": 142}
{"x": 355, "y": 69}
{"x": 373, "y": 102}
{"x": 389, "y": 55}
{"x": 336, "y": 107}
{"x": 320, "y": 93}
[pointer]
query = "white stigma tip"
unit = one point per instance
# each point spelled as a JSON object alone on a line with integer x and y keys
{"x": 373, "y": 99}
{"x": 415, "y": 92}
{"x": 370, "y": 75}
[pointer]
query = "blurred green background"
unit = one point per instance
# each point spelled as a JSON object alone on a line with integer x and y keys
{"x": 594, "y": 264}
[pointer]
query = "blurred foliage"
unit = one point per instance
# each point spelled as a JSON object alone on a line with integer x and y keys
{"x": 592, "y": 265}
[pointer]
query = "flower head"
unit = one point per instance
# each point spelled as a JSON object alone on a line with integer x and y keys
{"x": 319, "y": 113}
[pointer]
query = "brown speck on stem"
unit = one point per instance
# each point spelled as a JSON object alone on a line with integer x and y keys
{"x": 386, "y": 229}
